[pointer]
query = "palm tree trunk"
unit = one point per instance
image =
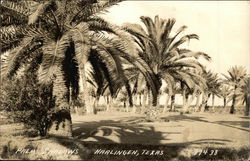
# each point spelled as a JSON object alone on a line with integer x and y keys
{"x": 188, "y": 102}
{"x": 107, "y": 103}
{"x": 184, "y": 100}
{"x": 247, "y": 105}
{"x": 61, "y": 118}
{"x": 134, "y": 109}
{"x": 137, "y": 100}
{"x": 127, "y": 107}
{"x": 149, "y": 99}
{"x": 158, "y": 101}
{"x": 198, "y": 97}
{"x": 140, "y": 100}
{"x": 130, "y": 97}
{"x": 166, "y": 104}
{"x": 172, "y": 105}
{"x": 144, "y": 98}
{"x": 90, "y": 108}
{"x": 152, "y": 109}
{"x": 85, "y": 92}
{"x": 232, "y": 109}
{"x": 247, "y": 99}
{"x": 204, "y": 102}
{"x": 111, "y": 101}
{"x": 155, "y": 99}
{"x": 224, "y": 102}
{"x": 213, "y": 97}
{"x": 95, "y": 104}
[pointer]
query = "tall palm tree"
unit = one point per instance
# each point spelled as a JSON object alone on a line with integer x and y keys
{"x": 237, "y": 79}
{"x": 64, "y": 32}
{"x": 162, "y": 53}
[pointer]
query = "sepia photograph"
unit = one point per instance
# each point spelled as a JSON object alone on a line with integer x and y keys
{"x": 124, "y": 80}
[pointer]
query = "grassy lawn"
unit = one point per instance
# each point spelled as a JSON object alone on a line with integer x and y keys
{"x": 197, "y": 136}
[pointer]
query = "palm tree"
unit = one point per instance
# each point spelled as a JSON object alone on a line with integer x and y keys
{"x": 123, "y": 97}
{"x": 162, "y": 53}
{"x": 213, "y": 88}
{"x": 64, "y": 33}
{"x": 224, "y": 93}
{"x": 237, "y": 79}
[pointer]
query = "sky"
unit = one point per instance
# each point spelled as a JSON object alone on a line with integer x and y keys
{"x": 223, "y": 26}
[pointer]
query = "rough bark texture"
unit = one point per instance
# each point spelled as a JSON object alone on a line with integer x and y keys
{"x": 155, "y": 100}
{"x": 85, "y": 91}
{"x": 61, "y": 124}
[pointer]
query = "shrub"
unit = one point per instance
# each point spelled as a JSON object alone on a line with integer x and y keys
{"x": 26, "y": 101}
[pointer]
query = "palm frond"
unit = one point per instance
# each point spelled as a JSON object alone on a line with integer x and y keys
{"x": 39, "y": 11}
{"x": 53, "y": 56}
{"x": 148, "y": 22}
{"x": 134, "y": 29}
{"x": 182, "y": 40}
{"x": 82, "y": 45}
{"x": 90, "y": 9}
{"x": 15, "y": 7}
{"x": 18, "y": 56}
{"x": 167, "y": 28}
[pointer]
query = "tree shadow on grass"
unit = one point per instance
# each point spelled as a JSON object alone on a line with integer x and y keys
{"x": 109, "y": 131}
{"x": 245, "y": 124}
{"x": 240, "y": 125}
{"x": 245, "y": 117}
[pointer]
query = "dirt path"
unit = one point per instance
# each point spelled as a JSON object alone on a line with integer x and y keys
{"x": 190, "y": 129}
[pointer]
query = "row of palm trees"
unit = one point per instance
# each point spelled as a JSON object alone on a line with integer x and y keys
{"x": 216, "y": 86}
{"x": 85, "y": 57}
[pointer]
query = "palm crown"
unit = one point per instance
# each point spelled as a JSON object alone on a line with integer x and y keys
{"x": 162, "y": 52}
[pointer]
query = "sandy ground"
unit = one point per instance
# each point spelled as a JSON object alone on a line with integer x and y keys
{"x": 199, "y": 129}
